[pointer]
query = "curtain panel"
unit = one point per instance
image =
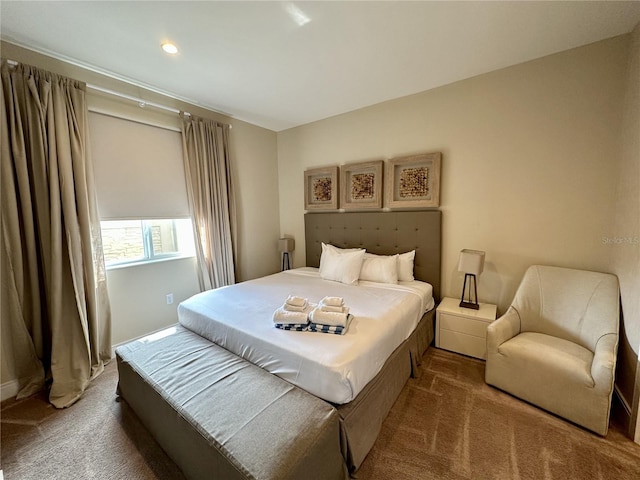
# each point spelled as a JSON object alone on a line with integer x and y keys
{"x": 208, "y": 175}
{"x": 55, "y": 306}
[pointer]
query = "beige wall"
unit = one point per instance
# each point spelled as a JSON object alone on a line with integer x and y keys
{"x": 625, "y": 252}
{"x": 138, "y": 296}
{"x": 256, "y": 179}
{"x": 529, "y": 162}
{"x": 138, "y": 293}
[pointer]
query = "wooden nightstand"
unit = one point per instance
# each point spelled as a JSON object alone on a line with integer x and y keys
{"x": 463, "y": 330}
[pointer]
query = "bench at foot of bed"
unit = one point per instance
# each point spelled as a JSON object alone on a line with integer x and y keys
{"x": 218, "y": 416}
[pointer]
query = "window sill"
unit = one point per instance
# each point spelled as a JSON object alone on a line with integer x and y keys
{"x": 142, "y": 263}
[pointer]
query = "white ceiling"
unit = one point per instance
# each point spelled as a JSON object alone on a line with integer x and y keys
{"x": 254, "y": 62}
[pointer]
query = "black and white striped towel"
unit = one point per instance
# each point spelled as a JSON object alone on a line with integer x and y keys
{"x": 335, "y": 329}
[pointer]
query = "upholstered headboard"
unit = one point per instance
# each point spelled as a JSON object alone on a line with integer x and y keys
{"x": 382, "y": 233}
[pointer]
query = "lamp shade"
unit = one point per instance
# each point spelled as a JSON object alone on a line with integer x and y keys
{"x": 471, "y": 261}
{"x": 286, "y": 245}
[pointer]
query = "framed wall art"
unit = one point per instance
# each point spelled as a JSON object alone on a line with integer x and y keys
{"x": 321, "y": 188}
{"x": 361, "y": 185}
{"x": 414, "y": 181}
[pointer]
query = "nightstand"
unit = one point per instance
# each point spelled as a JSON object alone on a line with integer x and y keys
{"x": 463, "y": 330}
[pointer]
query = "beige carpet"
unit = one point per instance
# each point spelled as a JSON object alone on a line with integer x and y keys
{"x": 448, "y": 424}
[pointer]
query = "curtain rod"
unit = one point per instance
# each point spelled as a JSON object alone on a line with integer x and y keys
{"x": 141, "y": 103}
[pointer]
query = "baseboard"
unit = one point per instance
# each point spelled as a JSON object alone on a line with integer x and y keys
{"x": 623, "y": 414}
{"x": 627, "y": 407}
{"x": 9, "y": 390}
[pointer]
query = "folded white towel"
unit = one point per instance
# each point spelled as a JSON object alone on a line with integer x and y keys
{"x": 285, "y": 317}
{"x": 293, "y": 308}
{"x": 328, "y": 318}
{"x": 331, "y": 308}
{"x": 296, "y": 301}
{"x": 333, "y": 301}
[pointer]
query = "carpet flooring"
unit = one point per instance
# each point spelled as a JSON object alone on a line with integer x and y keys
{"x": 446, "y": 424}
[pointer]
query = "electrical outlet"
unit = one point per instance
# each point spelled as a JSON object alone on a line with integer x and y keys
{"x": 169, "y": 298}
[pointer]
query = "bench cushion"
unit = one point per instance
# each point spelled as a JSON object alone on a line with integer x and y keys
{"x": 219, "y": 416}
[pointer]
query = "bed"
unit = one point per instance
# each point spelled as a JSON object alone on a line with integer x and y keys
{"x": 332, "y": 367}
{"x": 359, "y": 374}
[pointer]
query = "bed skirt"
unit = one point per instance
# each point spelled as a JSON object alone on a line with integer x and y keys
{"x": 361, "y": 419}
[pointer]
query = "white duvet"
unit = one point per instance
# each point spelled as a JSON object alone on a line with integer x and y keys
{"x": 333, "y": 367}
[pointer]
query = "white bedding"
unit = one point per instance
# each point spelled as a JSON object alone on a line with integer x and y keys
{"x": 332, "y": 367}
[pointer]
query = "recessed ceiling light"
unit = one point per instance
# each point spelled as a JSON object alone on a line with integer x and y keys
{"x": 169, "y": 48}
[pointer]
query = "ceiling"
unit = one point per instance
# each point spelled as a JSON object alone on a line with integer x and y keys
{"x": 283, "y": 64}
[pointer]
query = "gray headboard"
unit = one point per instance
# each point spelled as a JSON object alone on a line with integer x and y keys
{"x": 382, "y": 233}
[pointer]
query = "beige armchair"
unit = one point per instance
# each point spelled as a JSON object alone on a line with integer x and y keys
{"x": 555, "y": 347}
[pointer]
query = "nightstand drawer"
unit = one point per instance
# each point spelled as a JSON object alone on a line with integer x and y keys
{"x": 462, "y": 343}
{"x": 469, "y": 326}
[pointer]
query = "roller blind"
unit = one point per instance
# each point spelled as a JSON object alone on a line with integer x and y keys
{"x": 138, "y": 169}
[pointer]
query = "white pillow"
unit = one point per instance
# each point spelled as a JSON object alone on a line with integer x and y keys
{"x": 405, "y": 266}
{"x": 341, "y": 267}
{"x": 328, "y": 246}
{"x": 379, "y": 268}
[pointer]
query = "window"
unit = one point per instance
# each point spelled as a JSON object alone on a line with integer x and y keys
{"x": 134, "y": 241}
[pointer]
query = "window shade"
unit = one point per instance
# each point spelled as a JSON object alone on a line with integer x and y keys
{"x": 138, "y": 169}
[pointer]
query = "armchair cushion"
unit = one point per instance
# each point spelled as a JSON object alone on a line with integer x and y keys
{"x": 537, "y": 355}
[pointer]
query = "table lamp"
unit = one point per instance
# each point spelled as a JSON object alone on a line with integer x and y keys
{"x": 286, "y": 245}
{"x": 471, "y": 262}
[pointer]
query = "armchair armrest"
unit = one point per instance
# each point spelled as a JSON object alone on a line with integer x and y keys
{"x": 504, "y": 328}
{"x": 604, "y": 362}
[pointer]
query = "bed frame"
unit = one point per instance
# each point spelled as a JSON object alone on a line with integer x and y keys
{"x": 359, "y": 421}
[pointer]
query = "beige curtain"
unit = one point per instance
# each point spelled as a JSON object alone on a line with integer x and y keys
{"x": 55, "y": 310}
{"x": 207, "y": 166}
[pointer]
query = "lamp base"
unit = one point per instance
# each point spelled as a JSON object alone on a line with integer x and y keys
{"x": 286, "y": 264}
{"x": 473, "y": 306}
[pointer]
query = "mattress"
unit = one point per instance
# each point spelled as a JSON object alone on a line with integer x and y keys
{"x": 333, "y": 367}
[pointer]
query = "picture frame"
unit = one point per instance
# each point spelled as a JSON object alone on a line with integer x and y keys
{"x": 361, "y": 185}
{"x": 414, "y": 181}
{"x": 321, "y": 188}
